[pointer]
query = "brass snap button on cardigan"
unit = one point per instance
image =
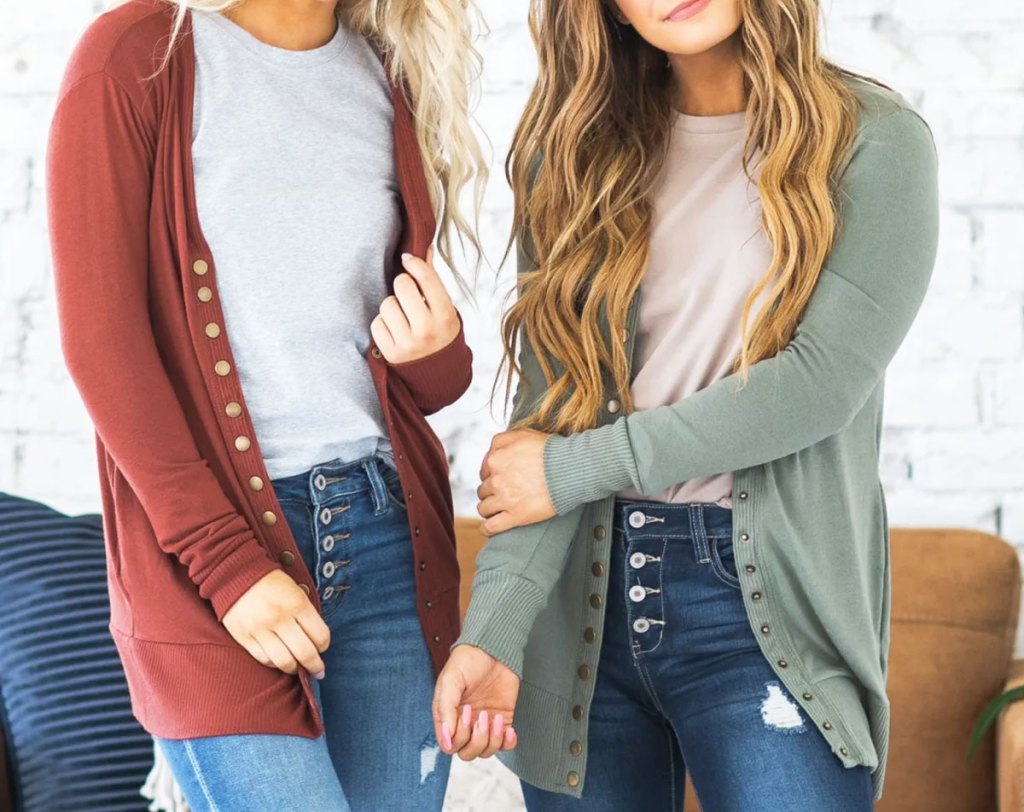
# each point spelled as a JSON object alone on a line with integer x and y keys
{"x": 810, "y": 529}
{"x": 189, "y": 519}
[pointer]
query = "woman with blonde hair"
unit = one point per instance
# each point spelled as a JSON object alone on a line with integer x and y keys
{"x": 242, "y": 199}
{"x": 724, "y": 239}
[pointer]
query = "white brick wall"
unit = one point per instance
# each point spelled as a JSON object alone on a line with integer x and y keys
{"x": 954, "y": 444}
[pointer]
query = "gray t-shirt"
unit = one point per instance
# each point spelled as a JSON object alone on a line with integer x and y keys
{"x": 298, "y": 199}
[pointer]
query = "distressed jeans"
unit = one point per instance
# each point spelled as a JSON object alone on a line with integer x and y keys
{"x": 378, "y": 751}
{"x": 683, "y": 686}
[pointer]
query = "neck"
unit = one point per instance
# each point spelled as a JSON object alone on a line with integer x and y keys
{"x": 298, "y": 25}
{"x": 709, "y": 83}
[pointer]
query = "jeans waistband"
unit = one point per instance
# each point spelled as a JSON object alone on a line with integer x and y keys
{"x": 696, "y": 520}
{"x": 339, "y": 477}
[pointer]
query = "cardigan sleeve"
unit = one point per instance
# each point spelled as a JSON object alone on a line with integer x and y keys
{"x": 518, "y": 569}
{"x": 441, "y": 378}
{"x": 864, "y": 302}
{"x": 99, "y": 165}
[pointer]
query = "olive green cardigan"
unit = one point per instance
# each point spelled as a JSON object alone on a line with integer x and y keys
{"x": 802, "y": 438}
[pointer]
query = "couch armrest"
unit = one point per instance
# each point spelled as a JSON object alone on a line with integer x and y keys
{"x": 1010, "y": 745}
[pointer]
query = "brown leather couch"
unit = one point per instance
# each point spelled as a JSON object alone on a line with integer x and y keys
{"x": 956, "y": 597}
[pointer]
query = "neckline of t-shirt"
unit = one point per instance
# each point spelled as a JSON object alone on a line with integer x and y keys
{"x": 713, "y": 125}
{"x": 331, "y": 49}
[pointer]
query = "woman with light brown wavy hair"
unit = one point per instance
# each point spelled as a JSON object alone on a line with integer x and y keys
{"x": 242, "y": 202}
{"x": 723, "y": 240}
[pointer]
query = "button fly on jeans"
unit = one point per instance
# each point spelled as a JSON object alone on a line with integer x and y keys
{"x": 325, "y": 515}
{"x": 637, "y": 593}
{"x": 637, "y": 560}
{"x": 328, "y": 569}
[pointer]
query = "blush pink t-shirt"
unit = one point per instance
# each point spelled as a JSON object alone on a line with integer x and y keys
{"x": 707, "y": 252}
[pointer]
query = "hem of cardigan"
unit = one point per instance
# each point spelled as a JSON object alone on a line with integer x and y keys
{"x": 181, "y": 690}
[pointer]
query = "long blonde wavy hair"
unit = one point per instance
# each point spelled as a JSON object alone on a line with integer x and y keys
{"x": 600, "y": 118}
{"x": 430, "y": 45}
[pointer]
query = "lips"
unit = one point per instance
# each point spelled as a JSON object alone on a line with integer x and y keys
{"x": 687, "y": 8}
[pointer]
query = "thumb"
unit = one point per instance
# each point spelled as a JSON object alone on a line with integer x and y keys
{"x": 447, "y": 695}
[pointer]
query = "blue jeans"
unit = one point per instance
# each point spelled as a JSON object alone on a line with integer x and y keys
{"x": 378, "y": 751}
{"x": 682, "y": 685}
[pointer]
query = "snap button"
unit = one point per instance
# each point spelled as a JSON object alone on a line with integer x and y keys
{"x": 242, "y": 443}
{"x": 287, "y": 558}
{"x": 575, "y": 748}
{"x": 641, "y": 625}
{"x": 573, "y": 779}
{"x": 764, "y": 629}
{"x": 255, "y": 483}
{"x": 843, "y": 751}
{"x": 437, "y": 638}
{"x": 756, "y": 596}
{"x": 213, "y": 329}
{"x": 204, "y": 294}
{"x": 826, "y": 725}
{"x": 325, "y": 515}
{"x": 590, "y": 635}
{"x": 599, "y": 532}
{"x": 328, "y": 543}
{"x": 328, "y": 593}
{"x": 199, "y": 267}
{"x": 637, "y": 560}
{"x": 637, "y": 593}
{"x": 595, "y": 601}
{"x": 423, "y": 565}
{"x": 222, "y": 368}
{"x": 584, "y": 671}
{"x": 577, "y": 713}
{"x": 807, "y": 695}
{"x": 613, "y": 406}
{"x": 743, "y": 494}
{"x": 328, "y": 569}
{"x": 783, "y": 663}
{"x": 598, "y": 569}
{"x": 233, "y": 409}
{"x": 749, "y": 567}
{"x": 744, "y": 537}
{"x": 320, "y": 481}
{"x": 269, "y": 517}
{"x": 637, "y": 519}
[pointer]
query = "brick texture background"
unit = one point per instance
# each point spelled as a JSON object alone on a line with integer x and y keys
{"x": 954, "y": 439}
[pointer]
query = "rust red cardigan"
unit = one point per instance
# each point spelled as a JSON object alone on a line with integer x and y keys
{"x": 190, "y": 518}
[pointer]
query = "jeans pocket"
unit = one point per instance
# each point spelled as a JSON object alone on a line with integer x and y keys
{"x": 723, "y": 562}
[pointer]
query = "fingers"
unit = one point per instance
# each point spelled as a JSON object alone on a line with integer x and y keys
{"x": 497, "y": 736}
{"x": 463, "y": 728}
{"x": 413, "y": 304}
{"x": 395, "y": 319}
{"x": 479, "y": 740}
{"x": 485, "y": 489}
{"x": 491, "y": 506}
{"x": 447, "y": 693}
{"x": 485, "y": 467}
{"x": 510, "y": 740}
{"x": 301, "y": 647}
{"x": 252, "y": 645}
{"x": 382, "y": 335}
{"x": 276, "y": 650}
{"x": 498, "y": 523}
{"x": 429, "y": 282}
{"x": 314, "y": 627}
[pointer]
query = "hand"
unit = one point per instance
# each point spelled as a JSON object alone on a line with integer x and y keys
{"x": 473, "y": 680}
{"x": 277, "y": 624}
{"x": 419, "y": 319}
{"x": 513, "y": 490}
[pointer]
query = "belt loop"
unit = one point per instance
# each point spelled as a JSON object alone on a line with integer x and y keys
{"x": 377, "y": 486}
{"x": 699, "y": 531}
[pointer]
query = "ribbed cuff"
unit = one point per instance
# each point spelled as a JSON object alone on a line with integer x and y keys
{"x": 439, "y": 379}
{"x": 587, "y": 466}
{"x": 234, "y": 575}
{"x": 501, "y": 615}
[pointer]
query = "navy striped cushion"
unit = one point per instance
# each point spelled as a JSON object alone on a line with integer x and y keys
{"x": 66, "y": 716}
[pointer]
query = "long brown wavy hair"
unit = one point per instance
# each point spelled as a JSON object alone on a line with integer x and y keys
{"x": 599, "y": 120}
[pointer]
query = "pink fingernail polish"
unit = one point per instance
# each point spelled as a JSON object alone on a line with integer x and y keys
{"x": 482, "y": 721}
{"x": 497, "y": 724}
{"x": 467, "y": 715}
{"x": 446, "y": 736}
{"x": 406, "y": 256}
{"x": 511, "y": 735}
{"x": 320, "y": 674}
